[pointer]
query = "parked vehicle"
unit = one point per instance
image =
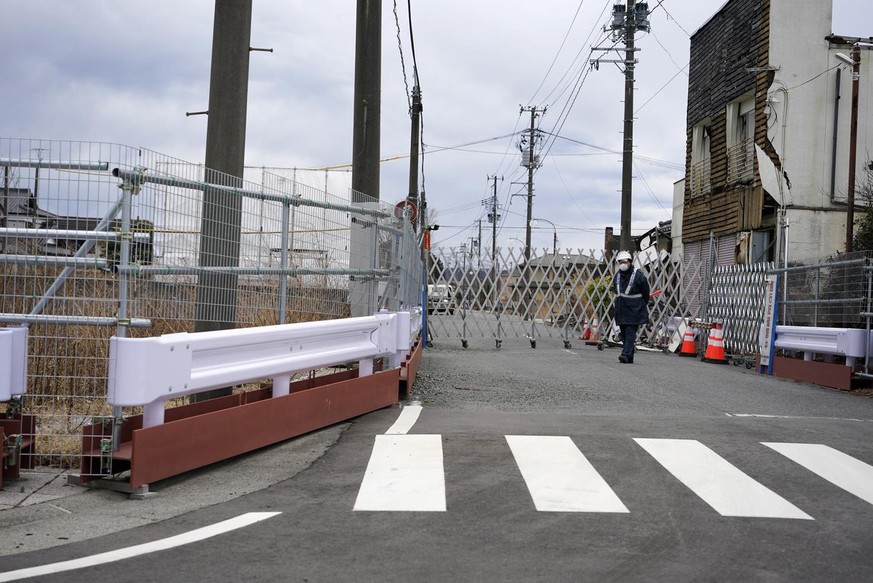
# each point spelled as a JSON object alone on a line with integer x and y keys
{"x": 440, "y": 298}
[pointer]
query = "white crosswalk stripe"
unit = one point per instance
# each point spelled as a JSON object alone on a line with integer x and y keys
{"x": 831, "y": 464}
{"x": 559, "y": 476}
{"x": 406, "y": 473}
{"x": 721, "y": 485}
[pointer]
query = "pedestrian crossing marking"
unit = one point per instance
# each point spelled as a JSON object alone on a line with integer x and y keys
{"x": 407, "y": 418}
{"x": 405, "y": 473}
{"x": 728, "y": 490}
{"x": 559, "y": 477}
{"x": 838, "y": 468}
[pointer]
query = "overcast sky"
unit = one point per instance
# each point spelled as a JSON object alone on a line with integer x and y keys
{"x": 127, "y": 72}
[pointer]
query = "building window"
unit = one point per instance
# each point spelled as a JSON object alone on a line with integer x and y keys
{"x": 701, "y": 163}
{"x": 741, "y": 142}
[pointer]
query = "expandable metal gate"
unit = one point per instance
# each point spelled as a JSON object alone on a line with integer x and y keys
{"x": 564, "y": 295}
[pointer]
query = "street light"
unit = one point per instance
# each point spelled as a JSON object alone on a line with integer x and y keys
{"x": 533, "y": 223}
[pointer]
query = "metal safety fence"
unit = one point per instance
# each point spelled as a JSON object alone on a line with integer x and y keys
{"x": 101, "y": 240}
{"x": 737, "y": 300}
{"x": 565, "y": 295}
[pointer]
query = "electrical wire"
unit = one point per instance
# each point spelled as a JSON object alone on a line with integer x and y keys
{"x": 664, "y": 86}
{"x": 654, "y": 161}
{"x": 670, "y": 17}
{"x": 558, "y": 53}
{"x": 402, "y": 61}
{"x": 573, "y": 64}
{"x": 650, "y": 191}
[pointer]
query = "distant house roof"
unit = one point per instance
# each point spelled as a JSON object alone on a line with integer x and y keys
{"x": 564, "y": 260}
{"x": 560, "y": 261}
{"x": 20, "y": 202}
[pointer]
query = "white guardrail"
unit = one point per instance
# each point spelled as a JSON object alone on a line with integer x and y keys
{"x": 148, "y": 371}
{"x": 848, "y": 342}
{"x": 13, "y": 362}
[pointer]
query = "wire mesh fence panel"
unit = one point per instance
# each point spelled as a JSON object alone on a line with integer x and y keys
{"x": 101, "y": 239}
{"x": 832, "y": 292}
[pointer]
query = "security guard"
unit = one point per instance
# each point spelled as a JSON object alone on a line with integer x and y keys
{"x": 631, "y": 296}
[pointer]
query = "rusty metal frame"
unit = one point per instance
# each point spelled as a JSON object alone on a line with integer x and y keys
{"x": 25, "y": 426}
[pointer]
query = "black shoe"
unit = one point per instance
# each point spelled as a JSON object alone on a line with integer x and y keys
{"x": 623, "y": 359}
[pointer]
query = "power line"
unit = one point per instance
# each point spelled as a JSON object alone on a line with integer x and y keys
{"x": 557, "y": 54}
{"x": 655, "y": 161}
{"x": 664, "y": 86}
{"x": 402, "y": 61}
{"x": 573, "y": 65}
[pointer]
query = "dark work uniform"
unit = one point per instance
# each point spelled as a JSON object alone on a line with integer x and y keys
{"x": 631, "y": 296}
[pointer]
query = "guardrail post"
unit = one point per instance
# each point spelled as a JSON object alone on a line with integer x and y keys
{"x": 152, "y": 414}
{"x": 281, "y": 385}
{"x": 403, "y": 342}
{"x": 13, "y": 362}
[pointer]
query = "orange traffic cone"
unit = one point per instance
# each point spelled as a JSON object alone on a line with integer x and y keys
{"x": 586, "y": 334}
{"x": 594, "y": 337}
{"x": 688, "y": 344}
{"x": 715, "y": 346}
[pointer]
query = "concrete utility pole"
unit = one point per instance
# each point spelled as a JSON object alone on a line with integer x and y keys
{"x": 415, "y": 140}
{"x": 853, "y": 147}
{"x": 531, "y": 166}
{"x": 365, "y": 147}
{"x": 216, "y": 296}
{"x": 493, "y": 217}
{"x": 626, "y": 21}
{"x": 368, "y": 100}
{"x": 627, "y": 158}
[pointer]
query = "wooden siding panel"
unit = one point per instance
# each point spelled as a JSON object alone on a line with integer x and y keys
{"x": 733, "y": 41}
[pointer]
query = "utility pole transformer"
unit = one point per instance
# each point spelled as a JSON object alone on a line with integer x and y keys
{"x": 626, "y": 21}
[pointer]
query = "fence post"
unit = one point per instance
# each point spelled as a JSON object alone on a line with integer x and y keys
{"x": 283, "y": 262}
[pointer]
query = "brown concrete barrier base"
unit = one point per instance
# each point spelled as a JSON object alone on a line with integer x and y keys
{"x": 409, "y": 369}
{"x": 206, "y": 432}
{"x": 828, "y": 374}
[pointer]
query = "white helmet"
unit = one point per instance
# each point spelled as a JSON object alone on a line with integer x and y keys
{"x": 623, "y": 256}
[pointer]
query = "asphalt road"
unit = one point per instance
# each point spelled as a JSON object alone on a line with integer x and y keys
{"x": 479, "y": 406}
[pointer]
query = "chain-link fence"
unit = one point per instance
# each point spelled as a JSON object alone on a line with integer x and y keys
{"x": 102, "y": 239}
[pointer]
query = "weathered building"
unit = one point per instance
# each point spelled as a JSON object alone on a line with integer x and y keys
{"x": 768, "y": 132}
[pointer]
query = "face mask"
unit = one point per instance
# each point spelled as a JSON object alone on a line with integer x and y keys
{"x": 623, "y": 266}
